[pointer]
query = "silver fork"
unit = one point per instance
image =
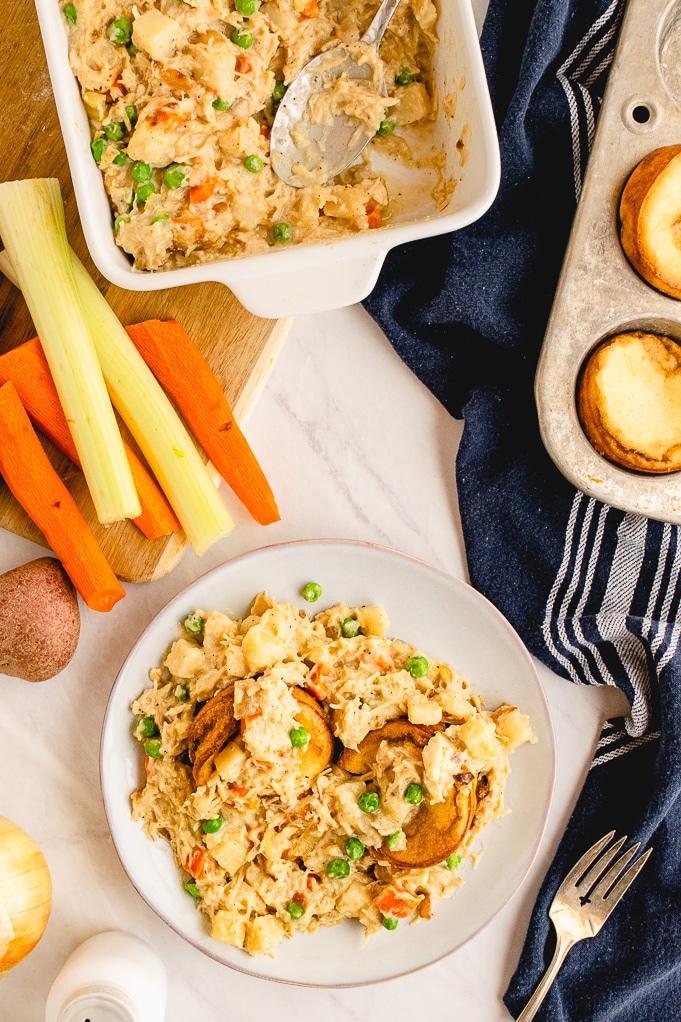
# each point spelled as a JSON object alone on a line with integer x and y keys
{"x": 583, "y": 902}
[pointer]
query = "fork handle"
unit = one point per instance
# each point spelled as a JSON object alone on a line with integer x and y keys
{"x": 563, "y": 945}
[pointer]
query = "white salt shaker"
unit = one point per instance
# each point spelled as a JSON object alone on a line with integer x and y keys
{"x": 111, "y": 977}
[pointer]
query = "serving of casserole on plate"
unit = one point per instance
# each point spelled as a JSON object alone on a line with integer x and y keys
{"x": 297, "y": 769}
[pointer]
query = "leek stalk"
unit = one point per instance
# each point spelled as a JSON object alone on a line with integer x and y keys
{"x": 151, "y": 418}
{"x": 34, "y": 234}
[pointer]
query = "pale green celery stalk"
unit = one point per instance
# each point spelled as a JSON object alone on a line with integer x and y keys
{"x": 153, "y": 421}
{"x": 33, "y": 231}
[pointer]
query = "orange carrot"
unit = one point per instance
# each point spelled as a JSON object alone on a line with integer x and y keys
{"x": 35, "y": 484}
{"x": 27, "y": 368}
{"x": 311, "y": 10}
{"x": 374, "y": 217}
{"x": 200, "y": 863}
{"x": 184, "y": 373}
{"x": 243, "y": 65}
{"x": 202, "y": 192}
{"x": 396, "y": 902}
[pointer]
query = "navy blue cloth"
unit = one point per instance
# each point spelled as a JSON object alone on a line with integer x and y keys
{"x": 594, "y": 592}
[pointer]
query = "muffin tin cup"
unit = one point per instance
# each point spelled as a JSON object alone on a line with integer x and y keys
{"x": 599, "y": 293}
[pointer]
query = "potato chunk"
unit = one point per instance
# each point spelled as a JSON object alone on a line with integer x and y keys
{"x": 156, "y": 34}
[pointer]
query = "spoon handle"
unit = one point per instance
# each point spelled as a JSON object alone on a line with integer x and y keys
{"x": 376, "y": 30}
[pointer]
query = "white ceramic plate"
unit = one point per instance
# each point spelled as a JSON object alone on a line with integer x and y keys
{"x": 427, "y": 607}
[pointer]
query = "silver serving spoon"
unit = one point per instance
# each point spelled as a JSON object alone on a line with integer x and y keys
{"x": 303, "y": 152}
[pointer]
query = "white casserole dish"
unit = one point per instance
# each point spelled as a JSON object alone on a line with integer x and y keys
{"x": 315, "y": 277}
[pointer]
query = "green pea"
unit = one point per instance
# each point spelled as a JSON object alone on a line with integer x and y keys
{"x": 242, "y": 39}
{"x": 221, "y": 104}
{"x": 123, "y": 219}
{"x": 212, "y": 826}
{"x": 70, "y": 13}
{"x": 145, "y": 190}
{"x": 191, "y": 887}
{"x": 147, "y": 727}
{"x": 388, "y": 922}
{"x": 349, "y": 627}
{"x": 413, "y": 794}
{"x": 338, "y": 868}
{"x": 97, "y": 147}
{"x": 387, "y": 126}
{"x": 452, "y": 861}
{"x": 152, "y": 748}
{"x": 369, "y": 801}
{"x": 281, "y": 232}
{"x": 114, "y": 131}
{"x": 120, "y": 31}
{"x": 193, "y": 624}
{"x": 254, "y": 164}
{"x": 312, "y": 591}
{"x": 174, "y": 175}
{"x": 417, "y": 666}
{"x": 157, "y": 220}
{"x": 279, "y": 91}
{"x": 121, "y": 160}
{"x": 294, "y": 909}
{"x": 299, "y": 736}
{"x": 405, "y": 77}
{"x": 181, "y": 691}
{"x": 354, "y": 849}
{"x": 246, "y": 7}
{"x": 131, "y": 114}
{"x": 132, "y": 49}
{"x": 140, "y": 171}
{"x": 392, "y": 839}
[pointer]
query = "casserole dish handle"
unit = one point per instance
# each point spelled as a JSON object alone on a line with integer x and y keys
{"x": 297, "y": 290}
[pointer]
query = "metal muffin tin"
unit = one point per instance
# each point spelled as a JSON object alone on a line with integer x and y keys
{"x": 599, "y": 294}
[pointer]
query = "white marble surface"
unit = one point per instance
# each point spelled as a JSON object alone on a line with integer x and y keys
{"x": 355, "y": 447}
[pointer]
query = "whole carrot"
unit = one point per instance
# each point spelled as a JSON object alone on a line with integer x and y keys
{"x": 31, "y": 478}
{"x": 27, "y": 368}
{"x": 184, "y": 373}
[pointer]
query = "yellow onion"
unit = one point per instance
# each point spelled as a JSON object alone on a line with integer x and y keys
{"x": 25, "y": 894}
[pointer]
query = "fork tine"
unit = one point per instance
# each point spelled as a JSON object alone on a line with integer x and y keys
{"x": 599, "y": 867}
{"x": 580, "y": 868}
{"x": 601, "y": 889}
{"x": 627, "y": 879}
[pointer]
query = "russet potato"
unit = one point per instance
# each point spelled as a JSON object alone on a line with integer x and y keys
{"x": 650, "y": 214}
{"x": 39, "y": 620}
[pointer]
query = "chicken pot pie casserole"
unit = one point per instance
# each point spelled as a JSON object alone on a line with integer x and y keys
{"x": 307, "y": 770}
{"x": 181, "y": 96}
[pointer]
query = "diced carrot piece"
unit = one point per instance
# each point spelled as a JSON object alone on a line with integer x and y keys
{"x": 374, "y": 217}
{"x": 171, "y": 118}
{"x": 243, "y": 65}
{"x": 200, "y": 863}
{"x": 202, "y": 192}
{"x": 315, "y": 684}
{"x": 396, "y": 902}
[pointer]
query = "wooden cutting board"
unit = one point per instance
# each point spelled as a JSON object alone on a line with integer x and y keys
{"x": 239, "y": 346}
